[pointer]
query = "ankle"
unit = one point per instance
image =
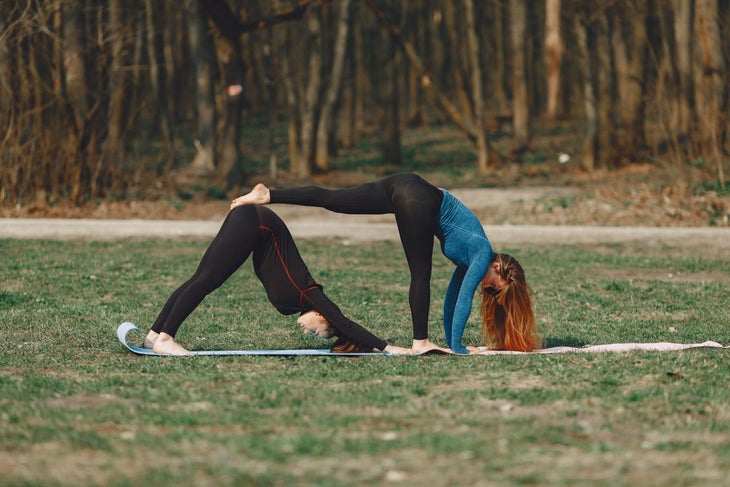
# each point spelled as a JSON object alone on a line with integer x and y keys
{"x": 150, "y": 339}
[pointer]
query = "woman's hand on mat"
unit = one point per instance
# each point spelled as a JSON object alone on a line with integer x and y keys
{"x": 259, "y": 195}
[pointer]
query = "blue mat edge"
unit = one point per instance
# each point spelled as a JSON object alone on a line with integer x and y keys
{"x": 127, "y": 326}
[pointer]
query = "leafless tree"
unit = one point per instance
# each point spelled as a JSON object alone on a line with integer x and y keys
{"x": 99, "y": 99}
{"x": 710, "y": 82}
{"x": 553, "y": 56}
{"x": 326, "y": 119}
{"x": 520, "y": 101}
{"x": 476, "y": 89}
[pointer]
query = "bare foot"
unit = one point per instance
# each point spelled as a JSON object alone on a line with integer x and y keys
{"x": 259, "y": 195}
{"x": 423, "y": 346}
{"x": 393, "y": 350}
{"x": 150, "y": 339}
{"x": 166, "y": 345}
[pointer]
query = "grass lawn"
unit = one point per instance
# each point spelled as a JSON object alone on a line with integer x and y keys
{"x": 78, "y": 409}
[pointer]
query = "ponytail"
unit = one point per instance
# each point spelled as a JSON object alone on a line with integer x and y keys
{"x": 508, "y": 320}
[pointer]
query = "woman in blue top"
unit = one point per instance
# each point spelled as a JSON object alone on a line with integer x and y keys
{"x": 423, "y": 211}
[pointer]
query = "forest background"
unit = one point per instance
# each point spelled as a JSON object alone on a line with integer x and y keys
{"x": 123, "y": 100}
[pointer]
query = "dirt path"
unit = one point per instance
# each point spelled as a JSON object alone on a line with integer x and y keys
{"x": 317, "y": 223}
{"x": 359, "y": 229}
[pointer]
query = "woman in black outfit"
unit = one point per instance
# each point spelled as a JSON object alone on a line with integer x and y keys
{"x": 289, "y": 286}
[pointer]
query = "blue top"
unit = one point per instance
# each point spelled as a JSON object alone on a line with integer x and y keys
{"x": 464, "y": 242}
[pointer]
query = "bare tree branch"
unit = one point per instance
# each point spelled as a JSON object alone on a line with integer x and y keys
{"x": 230, "y": 26}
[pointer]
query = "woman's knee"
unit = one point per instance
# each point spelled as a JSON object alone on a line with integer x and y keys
{"x": 207, "y": 282}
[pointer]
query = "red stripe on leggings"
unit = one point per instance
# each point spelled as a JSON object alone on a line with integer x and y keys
{"x": 302, "y": 292}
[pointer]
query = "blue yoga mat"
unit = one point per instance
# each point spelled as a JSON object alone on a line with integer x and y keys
{"x": 126, "y": 327}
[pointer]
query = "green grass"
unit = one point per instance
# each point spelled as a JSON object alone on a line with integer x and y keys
{"x": 77, "y": 409}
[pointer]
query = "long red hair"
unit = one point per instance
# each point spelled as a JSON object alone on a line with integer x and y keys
{"x": 508, "y": 320}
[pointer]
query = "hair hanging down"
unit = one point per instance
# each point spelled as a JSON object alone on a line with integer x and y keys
{"x": 508, "y": 320}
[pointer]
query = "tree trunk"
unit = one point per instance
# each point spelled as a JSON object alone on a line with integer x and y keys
{"x": 138, "y": 45}
{"x": 312, "y": 94}
{"x": 155, "y": 55}
{"x": 535, "y": 64}
{"x": 389, "y": 101}
{"x": 176, "y": 57}
{"x": 296, "y": 163}
{"x": 476, "y": 88}
{"x": 497, "y": 68}
{"x": 590, "y": 141}
{"x": 604, "y": 92}
{"x": 416, "y": 116}
{"x": 73, "y": 63}
{"x": 5, "y": 70}
{"x": 520, "y": 100}
{"x": 228, "y": 51}
{"x": 438, "y": 50}
{"x": 75, "y": 87}
{"x": 230, "y": 168}
{"x": 118, "y": 86}
{"x": 661, "y": 96}
{"x": 6, "y": 87}
{"x": 553, "y": 57}
{"x": 457, "y": 67}
{"x": 346, "y": 132}
{"x": 710, "y": 83}
{"x": 323, "y": 160}
{"x": 253, "y": 48}
{"x": 7, "y": 118}
{"x": 269, "y": 63}
{"x": 628, "y": 38}
{"x": 203, "y": 66}
{"x": 683, "y": 63}
{"x": 361, "y": 71}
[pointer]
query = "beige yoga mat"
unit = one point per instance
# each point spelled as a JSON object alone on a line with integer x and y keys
{"x": 612, "y": 347}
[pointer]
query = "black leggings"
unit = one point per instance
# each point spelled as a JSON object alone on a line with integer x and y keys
{"x": 230, "y": 248}
{"x": 415, "y": 203}
{"x": 256, "y": 231}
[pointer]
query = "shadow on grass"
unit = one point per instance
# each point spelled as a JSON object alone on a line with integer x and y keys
{"x": 551, "y": 342}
